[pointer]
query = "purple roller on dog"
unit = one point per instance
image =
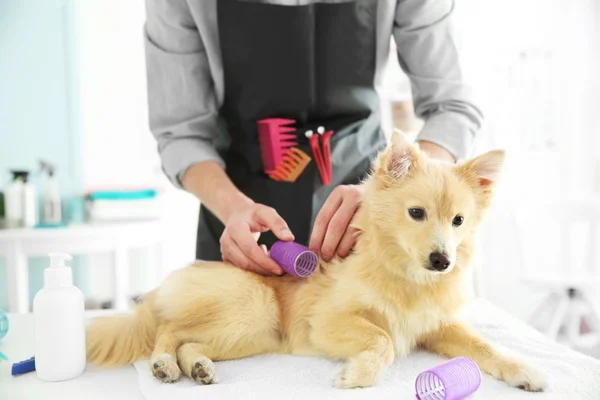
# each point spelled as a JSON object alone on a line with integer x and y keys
{"x": 453, "y": 380}
{"x": 294, "y": 258}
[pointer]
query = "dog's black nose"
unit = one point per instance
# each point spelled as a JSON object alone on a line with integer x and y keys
{"x": 439, "y": 261}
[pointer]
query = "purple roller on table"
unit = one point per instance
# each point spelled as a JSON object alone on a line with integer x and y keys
{"x": 453, "y": 380}
{"x": 294, "y": 258}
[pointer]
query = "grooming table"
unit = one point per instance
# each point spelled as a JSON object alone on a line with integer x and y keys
{"x": 573, "y": 376}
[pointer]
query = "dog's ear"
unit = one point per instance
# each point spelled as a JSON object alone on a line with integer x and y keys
{"x": 484, "y": 171}
{"x": 400, "y": 158}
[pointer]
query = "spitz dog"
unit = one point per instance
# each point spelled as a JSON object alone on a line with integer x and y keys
{"x": 401, "y": 289}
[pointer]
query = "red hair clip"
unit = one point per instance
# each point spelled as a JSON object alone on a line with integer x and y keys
{"x": 326, "y": 139}
{"x": 322, "y": 156}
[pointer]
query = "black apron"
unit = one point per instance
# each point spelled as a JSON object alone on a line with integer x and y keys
{"x": 314, "y": 64}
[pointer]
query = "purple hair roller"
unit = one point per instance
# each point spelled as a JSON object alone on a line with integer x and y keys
{"x": 452, "y": 380}
{"x": 294, "y": 258}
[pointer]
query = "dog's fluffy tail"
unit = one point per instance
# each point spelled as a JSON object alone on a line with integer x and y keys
{"x": 121, "y": 340}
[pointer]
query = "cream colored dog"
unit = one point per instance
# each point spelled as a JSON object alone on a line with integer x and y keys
{"x": 400, "y": 289}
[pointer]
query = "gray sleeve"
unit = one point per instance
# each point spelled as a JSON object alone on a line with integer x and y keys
{"x": 182, "y": 105}
{"x": 427, "y": 52}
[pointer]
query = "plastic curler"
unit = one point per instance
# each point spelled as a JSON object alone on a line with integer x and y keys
{"x": 452, "y": 380}
{"x": 294, "y": 258}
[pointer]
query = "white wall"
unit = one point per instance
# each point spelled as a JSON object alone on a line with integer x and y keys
{"x": 119, "y": 150}
{"x": 113, "y": 84}
{"x": 533, "y": 69}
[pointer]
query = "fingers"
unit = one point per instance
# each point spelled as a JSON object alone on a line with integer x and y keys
{"x": 325, "y": 215}
{"x": 239, "y": 239}
{"x": 337, "y": 228}
{"x": 264, "y": 248}
{"x": 239, "y": 247}
{"x": 257, "y": 256}
{"x": 331, "y": 232}
{"x": 233, "y": 254}
{"x": 269, "y": 218}
{"x": 347, "y": 243}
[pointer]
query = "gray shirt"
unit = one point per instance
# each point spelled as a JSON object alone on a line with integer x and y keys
{"x": 186, "y": 87}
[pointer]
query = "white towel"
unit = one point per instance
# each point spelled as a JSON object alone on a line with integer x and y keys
{"x": 573, "y": 376}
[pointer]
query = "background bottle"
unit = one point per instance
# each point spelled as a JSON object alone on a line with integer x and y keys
{"x": 13, "y": 199}
{"x": 30, "y": 203}
{"x": 52, "y": 199}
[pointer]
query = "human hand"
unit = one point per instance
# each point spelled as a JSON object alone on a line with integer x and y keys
{"x": 242, "y": 230}
{"x": 332, "y": 233}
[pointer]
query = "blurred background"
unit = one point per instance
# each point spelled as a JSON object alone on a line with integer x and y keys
{"x": 73, "y": 119}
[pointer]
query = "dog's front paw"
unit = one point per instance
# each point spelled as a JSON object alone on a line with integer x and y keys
{"x": 165, "y": 368}
{"x": 521, "y": 376}
{"x": 203, "y": 371}
{"x": 356, "y": 374}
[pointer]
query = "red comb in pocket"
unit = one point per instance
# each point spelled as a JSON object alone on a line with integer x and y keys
{"x": 275, "y": 140}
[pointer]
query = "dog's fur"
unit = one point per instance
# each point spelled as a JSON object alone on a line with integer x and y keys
{"x": 378, "y": 304}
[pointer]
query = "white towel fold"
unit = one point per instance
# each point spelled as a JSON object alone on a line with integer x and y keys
{"x": 573, "y": 376}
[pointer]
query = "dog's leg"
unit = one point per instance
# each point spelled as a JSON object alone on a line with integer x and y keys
{"x": 456, "y": 340}
{"x": 367, "y": 348}
{"x": 195, "y": 364}
{"x": 163, "y": 360}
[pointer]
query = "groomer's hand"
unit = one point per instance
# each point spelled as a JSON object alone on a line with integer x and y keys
{"x": 239, "y": 239}
{"x": 332, "y": 233}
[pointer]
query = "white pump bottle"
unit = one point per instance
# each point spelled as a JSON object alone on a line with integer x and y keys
{"x": 58, "y": 309}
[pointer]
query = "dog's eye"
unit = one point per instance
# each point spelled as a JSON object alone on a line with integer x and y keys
{"x": 458, "y": 220}
{"x": 416, "y": 213}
